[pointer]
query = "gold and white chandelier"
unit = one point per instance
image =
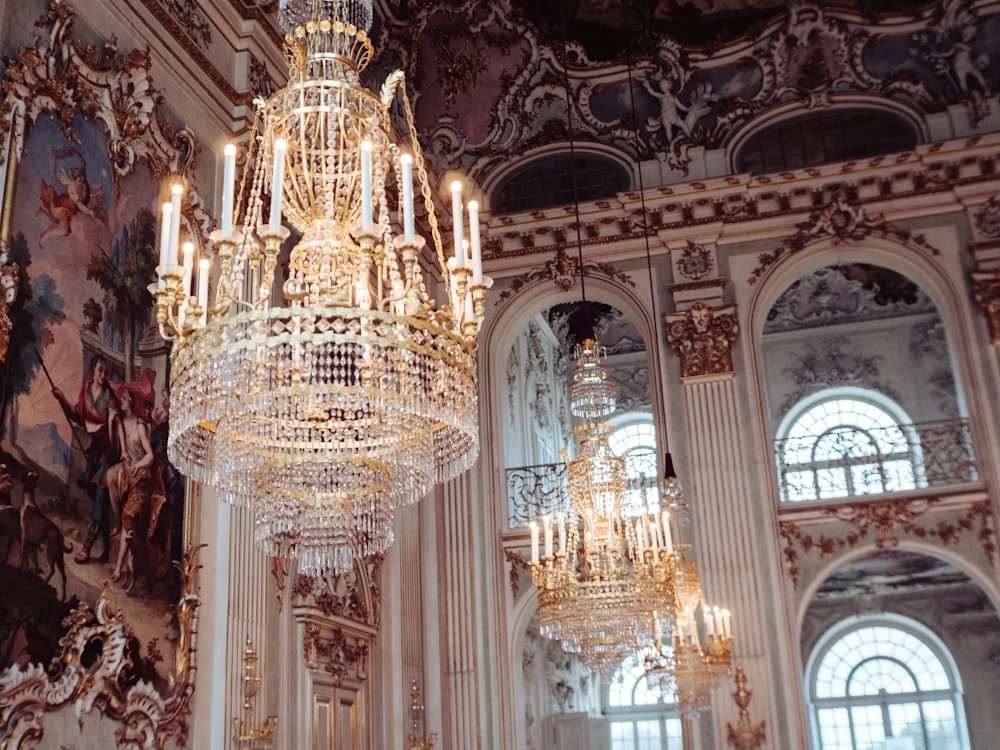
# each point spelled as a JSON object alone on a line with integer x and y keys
{"x": 612, "y": 571}
{"x": 682, "y": 663}
{"x": 326, "y": 401}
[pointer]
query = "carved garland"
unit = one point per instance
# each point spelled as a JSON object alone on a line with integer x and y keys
{"x": 886, "y": 520}
{"x": 107, "y": 682}
{"x": 563, "y": 271}
{"x": 336, "y": 654}
{"x": 838, "y": 222}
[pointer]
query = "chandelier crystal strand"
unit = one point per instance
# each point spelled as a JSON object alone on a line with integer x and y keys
{"x": 328, "y": 400}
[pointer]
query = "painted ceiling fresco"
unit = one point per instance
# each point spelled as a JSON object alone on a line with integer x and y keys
{"x": 493, "y": 77}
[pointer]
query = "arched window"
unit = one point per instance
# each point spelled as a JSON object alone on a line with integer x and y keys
{"x": 555, "y": 180}
{"x": 824, "y": 138}
{"x": 641, "y": 718}
{"x": 636, "y": 440}
{"x": 844, "y": 445}
{"x": 879, "y": 684}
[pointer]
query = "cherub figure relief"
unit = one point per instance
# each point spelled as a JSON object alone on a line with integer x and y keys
{"x": 71, "y": 194}
{"x": 673, "y": 113}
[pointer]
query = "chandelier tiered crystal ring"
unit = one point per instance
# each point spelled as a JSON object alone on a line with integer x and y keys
{"x": 326, "y": 401}
{"x": 611, "y": 572}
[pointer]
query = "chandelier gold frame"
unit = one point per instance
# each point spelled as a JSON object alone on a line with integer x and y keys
{"x": 328, "y": 400}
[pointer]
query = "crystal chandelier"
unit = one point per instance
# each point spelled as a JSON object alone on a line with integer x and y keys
{"x": 690, "y": 667}
{"x": 613, "y": 569}
{"x": 326, "y": 401}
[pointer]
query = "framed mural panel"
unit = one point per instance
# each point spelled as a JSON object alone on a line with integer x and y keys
{"x": 96, "y": 630}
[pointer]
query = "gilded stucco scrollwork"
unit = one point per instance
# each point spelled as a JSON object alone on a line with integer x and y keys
{"x": 60, "y": 77}
{"x": 339, "y": 654}
{"x": 687, "y": 97}
{"x": 886, "y": 522}
{"x": 703, "y": 338}
{"x": 986, "y": 292}
{"x": 340, "y": 616}
{"x": 101, "y": 669}
{"x": 563, "y": 271}
{"x": 840, "y": 221}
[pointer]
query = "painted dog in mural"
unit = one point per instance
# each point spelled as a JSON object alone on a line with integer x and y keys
{"x": 38, "y": 530}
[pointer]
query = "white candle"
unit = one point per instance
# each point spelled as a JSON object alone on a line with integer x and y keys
{"x": 366, "y": 187}
{"x": 562, "y": 533}
{"x": 166, "y": 212}
{"x": 534, "y": 542}
{"x": 175, "y": 223}
{"x": 719, "y": 628}
{"x": 228, "y": 179}
{"x": 654, "y": 533}
{"x": 477, "y": 254}
{"x": 204, "y": 271}
{"x": 548, "y": 536}
{"x": 640, "y": 535}
{"x": 668, "y": 538}
{"x": 589, "y": 528}
{"x": 188, "y": 255}
{"x": 709, "y": 620}
{"x": 408, "y": 231}
{"x": 456, "y": 215}
{"x": 727, "y": 628}
{"x": 279, "y": 168}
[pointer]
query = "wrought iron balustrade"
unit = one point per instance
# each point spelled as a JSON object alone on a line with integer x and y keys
{"x": 536, "y": 490}
{"x": 847, "y": 461}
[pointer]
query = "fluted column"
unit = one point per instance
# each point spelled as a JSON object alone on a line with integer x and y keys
{"x": 248, "y": 572}
{"x": 461, "y": 602}
{"x": 721, "y": 501}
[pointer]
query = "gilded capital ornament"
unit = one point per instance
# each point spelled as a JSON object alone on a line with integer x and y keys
{"x": 703, "y": 337}
{"x": 986, "y": 292}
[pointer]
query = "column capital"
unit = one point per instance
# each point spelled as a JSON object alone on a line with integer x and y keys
{"x": 986, "y": 292}
{"x": 703, "y": 338}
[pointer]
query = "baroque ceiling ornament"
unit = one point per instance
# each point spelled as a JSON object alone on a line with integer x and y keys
{"x": 688, "y": 96}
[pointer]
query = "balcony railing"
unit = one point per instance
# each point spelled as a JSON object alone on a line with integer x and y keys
{"x": 534, "y": 491}
{"x": 847, "y": 461}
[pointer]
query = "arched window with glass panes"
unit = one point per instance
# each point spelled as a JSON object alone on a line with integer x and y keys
{"x": 846, "y": 442}
{"x": 641, "y": 718}
{"x": 635, "y": 438}
{"x": 887, "y": 684}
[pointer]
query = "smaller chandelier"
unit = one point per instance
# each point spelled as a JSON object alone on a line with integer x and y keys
{"x": 602, "y": 570}
{"x": 690, "y": 666}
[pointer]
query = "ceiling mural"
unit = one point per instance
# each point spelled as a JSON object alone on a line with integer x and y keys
{"x": 493, "y": 76}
